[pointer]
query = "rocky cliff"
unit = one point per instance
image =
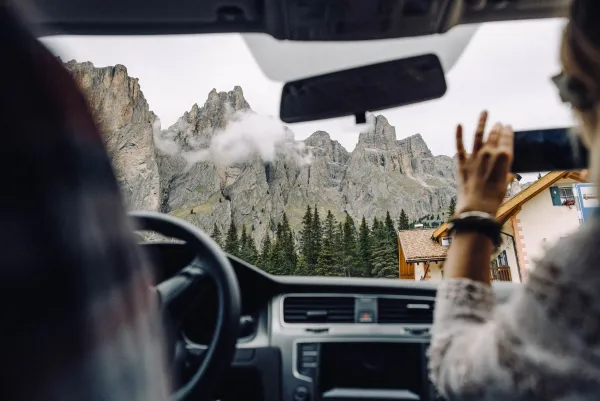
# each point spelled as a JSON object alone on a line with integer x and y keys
{"x": 169, "y": 170}
{"x": 125, "y": 117}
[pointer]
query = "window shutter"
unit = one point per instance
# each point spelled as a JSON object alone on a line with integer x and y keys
{"x": 555, "y": 194}
{"x": 504, "y": 258}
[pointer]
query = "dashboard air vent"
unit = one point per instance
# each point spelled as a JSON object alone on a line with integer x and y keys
{"x": 318, "y": 310}
{"x": 397, "y": 310}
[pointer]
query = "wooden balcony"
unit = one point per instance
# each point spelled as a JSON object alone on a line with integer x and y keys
{"x": 500, "y": 273}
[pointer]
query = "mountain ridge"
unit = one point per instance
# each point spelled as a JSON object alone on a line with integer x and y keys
{"x": 158, "y": 169}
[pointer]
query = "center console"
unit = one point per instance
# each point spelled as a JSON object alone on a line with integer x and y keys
{"x": 353, "y": 347}
{"x": 361, "y": 371}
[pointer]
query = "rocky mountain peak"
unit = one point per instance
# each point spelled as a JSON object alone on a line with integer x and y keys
{"x": 114, "y": 96}
{"x": 195, "y": 128}
{"x": 318, "y": 138}
{"x": 122, "y": 111}
{"x": 233, "y": 99}
{"x": 320, "y": 144}
{"x": 415, "y": 146}
{"x": 382, "y": 174}
{"x": 380, "y": 135}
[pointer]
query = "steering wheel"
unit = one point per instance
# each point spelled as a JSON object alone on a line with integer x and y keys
{"x": 177, "y": 294}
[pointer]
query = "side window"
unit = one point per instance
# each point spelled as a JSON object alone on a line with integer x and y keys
{"x": 566, "y": 196}
{"x": 503, "y": 259}
{"x": 562, "y": 196}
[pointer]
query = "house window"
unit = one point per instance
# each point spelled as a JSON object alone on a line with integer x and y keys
{"x": 562, "y": 195}
{"x": 566, "y": 194}
{"x": 502, "y": 259}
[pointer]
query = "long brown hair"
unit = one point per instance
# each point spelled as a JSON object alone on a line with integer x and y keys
{"x": 78, "y": 318}
{"x": 580, "y": 57}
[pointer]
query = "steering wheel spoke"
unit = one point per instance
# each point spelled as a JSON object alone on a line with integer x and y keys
{"x": 197, "y": 370}
{"x": 187, "y": 358}
{"x": 176, "y": 294}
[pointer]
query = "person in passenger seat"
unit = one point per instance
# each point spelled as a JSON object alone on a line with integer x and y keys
{"x": 78, "y": 319}
{"x": 544, "y": 343}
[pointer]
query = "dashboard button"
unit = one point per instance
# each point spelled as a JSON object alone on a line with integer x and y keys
{"x": 308, "y": 372}
{"x": 309, "y": 365}
{"x": 366, "y": 317}
{"x": 308, "y": 347}
{"x": 244, "y": 355}
{"x": 301, "y": 394}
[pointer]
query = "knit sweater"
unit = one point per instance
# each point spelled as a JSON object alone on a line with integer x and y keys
{"x": 542, "y": 344}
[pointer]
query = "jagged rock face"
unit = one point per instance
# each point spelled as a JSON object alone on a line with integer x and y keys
{"x": 123, "y": 114}
{"x": 388, "y": 174}
{"x": 159, "y": 171}
{"x": 187, "y": 185}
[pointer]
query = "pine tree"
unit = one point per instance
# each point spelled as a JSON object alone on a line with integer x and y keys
{"x": 302, "y": 268}
{"x": 231, "y": 240}
{"x": 339, "y": 247}
{"x": 350, "y": 248}
{"x": 452, "y": 208}
{"x": 391, "y": 230}
{"x": 385, "y": 260}
{"x": 248, "y": 250}
{"x": 251, "y": 251}
{"x": 328, "y": 264}
{"x": 289, "y": 256}
{"x": 364, "y": 249}
{"x": 265, "y": 253}
{"x": 317, "y": 238}
{"x": 403, "y": 223}
{"x": 307, "y": 250}
{"x": 276, "y": 256}
{"x": 243, "y": 242}
{"x": 217, "y": 236}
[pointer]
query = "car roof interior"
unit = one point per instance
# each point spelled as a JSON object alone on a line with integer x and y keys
{"x": 302, "y": 20}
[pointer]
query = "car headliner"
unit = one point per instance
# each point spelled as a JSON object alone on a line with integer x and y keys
{"x": 283, "y": 60}
{"x": 287, "y": 61}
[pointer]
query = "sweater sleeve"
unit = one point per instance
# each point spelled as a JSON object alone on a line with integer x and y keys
{"x": 531, "y": 348}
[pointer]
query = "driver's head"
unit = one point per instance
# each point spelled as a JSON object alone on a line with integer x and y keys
{"x": 580, "y": 57}
{"x": 78, "y": 321}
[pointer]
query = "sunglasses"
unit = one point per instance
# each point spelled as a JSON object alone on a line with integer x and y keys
{"x": 573, "y": 92}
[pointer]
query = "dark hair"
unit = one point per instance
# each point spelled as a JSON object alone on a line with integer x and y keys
{"x": 78, "y": 320}
{"x": 580, "y": 53}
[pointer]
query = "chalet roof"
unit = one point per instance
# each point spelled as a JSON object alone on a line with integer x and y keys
{"x": 510, "y": 205}
{"x": 418, "y": 246}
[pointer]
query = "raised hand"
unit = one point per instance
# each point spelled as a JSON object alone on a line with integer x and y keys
{"x": 483, "y": 175}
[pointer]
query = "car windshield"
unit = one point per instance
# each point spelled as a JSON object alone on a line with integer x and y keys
{"x": 191, "y": 125}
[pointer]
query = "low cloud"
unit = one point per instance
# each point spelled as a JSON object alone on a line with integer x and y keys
{"x": 247, "y": 135}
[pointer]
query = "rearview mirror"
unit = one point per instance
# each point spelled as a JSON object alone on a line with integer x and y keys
{"x": 358, "y": 90}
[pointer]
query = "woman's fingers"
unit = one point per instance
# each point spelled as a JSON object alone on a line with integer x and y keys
{"x": 494, "y": 136}
{"x": 460, "y": 148}
{"x": 585, "y": 174}
{"x": 502, "y": 153}
{"x": 478, "y": 143}
{"x": 510, "y": 177}
{"x": 506, "y": 141}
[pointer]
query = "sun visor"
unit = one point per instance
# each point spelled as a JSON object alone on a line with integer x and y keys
{"x": 285, "y": 61}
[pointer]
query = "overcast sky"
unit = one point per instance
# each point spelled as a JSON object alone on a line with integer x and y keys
{"x": 505, "y": 69}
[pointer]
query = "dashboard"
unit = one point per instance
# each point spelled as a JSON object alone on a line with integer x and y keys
{"x": 318, "y": 338}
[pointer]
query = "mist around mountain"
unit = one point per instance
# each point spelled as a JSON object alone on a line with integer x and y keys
{"x": 221, "y": 163}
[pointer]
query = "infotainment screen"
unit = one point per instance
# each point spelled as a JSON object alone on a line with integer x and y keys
{"x": 381, "y": 366}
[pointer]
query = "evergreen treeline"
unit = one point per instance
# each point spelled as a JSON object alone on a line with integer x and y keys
{"x": 324, "y": 246}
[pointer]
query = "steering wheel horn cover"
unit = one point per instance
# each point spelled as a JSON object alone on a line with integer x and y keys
{"x": 221, "y": 350}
